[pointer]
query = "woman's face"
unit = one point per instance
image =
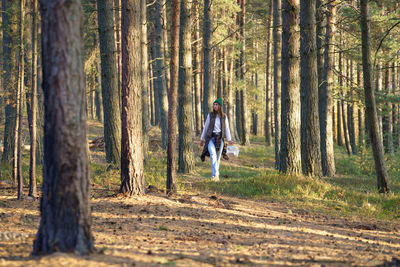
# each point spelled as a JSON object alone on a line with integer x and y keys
{"x": 216, "y": 106}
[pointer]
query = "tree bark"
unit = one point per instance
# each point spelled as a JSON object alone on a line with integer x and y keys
{"x": 197, "y": 67}
{"x": 277, "y": 77}
{"x": 132, "y": 169}
{"x": 145, "y": 79}
{"x": 350, "y": 111}
{"x": 327, "y": 153}
{"x": 387, "y": 116}
{"x": 370, "y": 104}
{"x": 245, "y": 136}
{"x": 10, "y": 80}
{"x": 33, "y": 121}
{"x": 267, "y": 81}
{"x": 208, "y": 52}
{"x": 159, "y": 72}
{"x": 290, "y": 154}
{"x": 394, "y": 107}
{"x": 65, "y": 212}
{"x": 185, "y": 124}
{"x": 109, "y": 83}
{"x": 310, "y": 134}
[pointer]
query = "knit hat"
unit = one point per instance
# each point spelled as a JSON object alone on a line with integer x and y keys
{"x": 219, "y": 101}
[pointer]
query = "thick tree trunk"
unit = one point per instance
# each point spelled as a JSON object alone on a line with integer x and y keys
{"x": 145, "y": 79}
{"x": 172, "y": 98}
{"x": 327, "y": 153}
{"x": 10, "y": 70}
{"x": 277, "y": 77}
{"x": 290, "y": 154}
{"x": 185, "y": 122}
{"x": 109, "y": 83}
{"x": 33, "y": 121}
{"x": 370, "y": 104}
{"x": 208, "y": 52}
{"x": 65, "y": 212}
{"x": 267, "y": 81}
{"x": 310, "y": 134}
{"x": 132, "y": 169}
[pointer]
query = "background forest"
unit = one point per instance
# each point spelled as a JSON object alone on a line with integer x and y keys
{"x": 311, "y": 90}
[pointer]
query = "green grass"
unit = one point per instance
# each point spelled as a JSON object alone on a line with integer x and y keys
{"x": 352, "y": 192}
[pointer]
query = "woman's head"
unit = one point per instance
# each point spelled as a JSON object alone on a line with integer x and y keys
{"x": 217, "y": 107}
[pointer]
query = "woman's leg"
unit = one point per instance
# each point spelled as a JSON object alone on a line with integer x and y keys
{"x": 219, "y": 158}
{"x": 213, "y": 156}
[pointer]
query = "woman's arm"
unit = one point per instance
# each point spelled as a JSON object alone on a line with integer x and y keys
{"x": 227, "y": 130}
{"x": 203, "y": 135}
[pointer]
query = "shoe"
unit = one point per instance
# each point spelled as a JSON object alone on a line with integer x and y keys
{"x": 203, "y": 158}
{"x": 225, "y": 157}
{"x": 215, "y": 178}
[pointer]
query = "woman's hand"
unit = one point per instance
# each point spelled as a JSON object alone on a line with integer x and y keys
{"x": 201, "y": 142}
{"x": 230, "y": 143}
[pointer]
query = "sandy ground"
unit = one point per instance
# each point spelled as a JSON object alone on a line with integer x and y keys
{"x": 203, "y": 230}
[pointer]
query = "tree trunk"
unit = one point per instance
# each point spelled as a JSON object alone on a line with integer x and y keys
{"x": 325, "y": 99}
{"x": 132, "y": 169}
{"x": 277, "y": 77}
{"x": 185, "y": 122}
{"x": 395, "y": 108}
{"x": 387, "y": 116}
{"x": 10, "y": 69}
{"x": 370, "y": 104}
{"x": 145, "y": 79}
{"x": 290, "y": 154}
{"x": 208, "y": 52}
{"x": 361, "y": 126}
{"x": 245, "y": 136}
{"x": 159, "y": 72}
{"x": 310, "y": 134}
{"x": 65, "y": 212}
{"x": 267, "y": 81}
{"x": 172, "y": 98}
{"x": 109, "y": 83}
{"x": 197, "y": 67}
{"x": 350, "y": 111}
{"x": 117, "y": 38}
{"x": 33, "y": 121}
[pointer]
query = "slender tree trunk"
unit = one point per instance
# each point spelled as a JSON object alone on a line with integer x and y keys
{"x": 186, "y": 157}
{"x": 159, "y": 72}
{"x": 33, "y": 122}
{"x": 327, "y": 153}
{"x": 267, "y": 81}
{"x": 65, "y": 212}
{"x": 290, "y": 154}
{"x": 345, "y": 128}
{"x": 245, "y": 136}
{"x": 197, "y": 66}
{"x": 339, "y": 109}
{"x": 387, "y": 116}
{"x": 310, "y": 133}
{"x": 361, "y": 126}
{"x": 350, "y": 111}
{"x": 117, "y": 45}
{"x": 172, "y": 98}
{"x": 395, "y": 108}
{"x": 145, "y": 79}
{"x": 208, "y": 52}
{"x": 370, "y": 104}
{"x": 277, "y": 77}
{"x": 132, "y": 169}
{"x": 109, "y": 83}
{"x": 320, "y": 46}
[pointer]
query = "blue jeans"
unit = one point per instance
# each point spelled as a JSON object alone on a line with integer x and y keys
{"x": 214, "y": 156}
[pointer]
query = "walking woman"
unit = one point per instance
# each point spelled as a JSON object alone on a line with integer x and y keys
{"x": 216, "y": 129}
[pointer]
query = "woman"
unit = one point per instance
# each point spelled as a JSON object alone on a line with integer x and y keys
{"x": 216, "y": 129}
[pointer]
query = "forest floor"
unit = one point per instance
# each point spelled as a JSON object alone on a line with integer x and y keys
{"x": 198, "y": 227}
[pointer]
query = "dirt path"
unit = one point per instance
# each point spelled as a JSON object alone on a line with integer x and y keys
{"x": 202, "y": 230}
